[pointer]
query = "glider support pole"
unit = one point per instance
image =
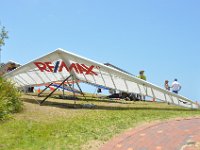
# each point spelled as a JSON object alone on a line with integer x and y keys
{"x": 71, "y": 89}
{"x": 63, "y": 90}
{"x": 44, "y": 89}
{"x": 80, "y": 89}
{"x": 54, "y": 90}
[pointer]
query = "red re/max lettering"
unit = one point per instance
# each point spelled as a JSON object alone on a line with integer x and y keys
{"x": 76, "y": 67}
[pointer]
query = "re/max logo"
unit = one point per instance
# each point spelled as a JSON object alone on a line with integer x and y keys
{"x": 60, "y": 65}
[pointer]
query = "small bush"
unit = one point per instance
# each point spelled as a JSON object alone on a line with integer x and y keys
{"x": 9, "y": 99}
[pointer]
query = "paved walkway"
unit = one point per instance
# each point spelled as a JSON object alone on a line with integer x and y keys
{"x": 182, "y": 134}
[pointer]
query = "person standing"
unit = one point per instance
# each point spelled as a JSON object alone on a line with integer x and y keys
{"x": 143, "y": 77}
{"x": 176, "y": 87}
{"x": 167, "y": 87}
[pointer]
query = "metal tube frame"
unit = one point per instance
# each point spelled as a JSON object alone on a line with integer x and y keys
{"x": 44, "y": 89}
{"x": 55, "y": 89}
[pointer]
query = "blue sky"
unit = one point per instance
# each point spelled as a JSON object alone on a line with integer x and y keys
{"x": 161, "y": 37}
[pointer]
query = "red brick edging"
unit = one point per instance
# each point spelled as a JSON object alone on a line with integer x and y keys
{"x": 117, "y": 141}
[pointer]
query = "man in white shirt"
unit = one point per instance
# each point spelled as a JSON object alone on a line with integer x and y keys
{"x": 176, "y": 87}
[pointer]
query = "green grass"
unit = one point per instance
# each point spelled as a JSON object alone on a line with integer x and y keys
{"x": 58, "y": 125}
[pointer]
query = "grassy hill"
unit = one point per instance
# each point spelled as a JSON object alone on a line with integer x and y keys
{"x": 61, "y": 124}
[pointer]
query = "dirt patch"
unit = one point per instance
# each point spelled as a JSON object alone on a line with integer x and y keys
{"x": 92, "y": 145}
{"x": 191, "y": 146}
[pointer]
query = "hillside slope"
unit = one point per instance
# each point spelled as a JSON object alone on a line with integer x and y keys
{"x": 61, "y": 124}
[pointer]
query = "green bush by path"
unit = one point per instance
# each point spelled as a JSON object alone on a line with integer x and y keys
{"x": 9, "y": 99}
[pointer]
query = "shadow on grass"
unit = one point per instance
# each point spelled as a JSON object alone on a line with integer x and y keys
{"x": 100, "y": 107}
{"x": 93, "y": 99}
{"x": 87, "y": 99}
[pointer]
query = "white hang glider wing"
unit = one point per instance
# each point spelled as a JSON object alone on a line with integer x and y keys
{"x": 60, "y": 64}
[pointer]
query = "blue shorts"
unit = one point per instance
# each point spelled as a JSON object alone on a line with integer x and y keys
{"x": 175, "y": 92}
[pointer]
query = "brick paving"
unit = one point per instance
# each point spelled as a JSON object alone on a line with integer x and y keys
{"x": 179, "y": 134}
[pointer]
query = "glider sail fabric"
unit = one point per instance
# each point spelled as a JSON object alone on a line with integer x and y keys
{"x": 60, "y": 64}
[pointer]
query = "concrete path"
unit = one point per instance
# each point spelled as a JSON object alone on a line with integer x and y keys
{"x": 179, "y": 134}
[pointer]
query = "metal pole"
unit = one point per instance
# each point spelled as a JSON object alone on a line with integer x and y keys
{"x": 63, "y": 91}
{"x": 45, "y": 89}
{"x": 71, "y": 89}
{"x": 54, "y": 90}
{"x": 80, "y": 90}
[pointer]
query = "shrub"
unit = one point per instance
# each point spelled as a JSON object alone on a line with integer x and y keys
{"x": 9, "y": 99}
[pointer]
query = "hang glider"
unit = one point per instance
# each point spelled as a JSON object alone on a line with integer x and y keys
{"x": 62, "y": 66}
